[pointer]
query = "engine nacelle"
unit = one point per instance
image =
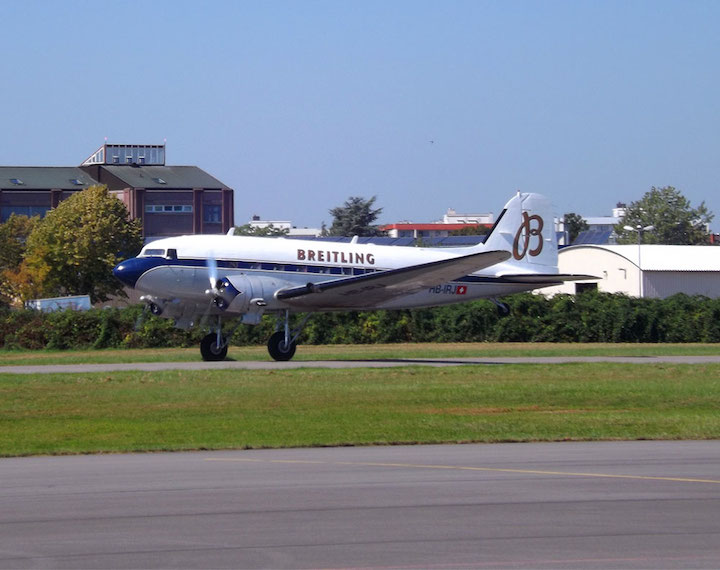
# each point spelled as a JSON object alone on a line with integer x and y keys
{"x": 254, "y": 294}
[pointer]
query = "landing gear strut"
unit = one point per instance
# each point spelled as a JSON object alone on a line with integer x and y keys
{"x": 502, "y": 308}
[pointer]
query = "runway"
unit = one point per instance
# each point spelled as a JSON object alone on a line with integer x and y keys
{"x": 549, "y": 505}
{"x": 365, "y": 363}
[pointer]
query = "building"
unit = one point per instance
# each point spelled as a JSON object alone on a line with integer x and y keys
{"x": 451, "y": 222}
{"x": 292, "y": 231}
{"x": 33, "y": 190}
{"x": 169, "y": 200}
{"x": 601, "y": 229}
{"x": 452, "y": 217}
{"x": 642, "y": 271}
{"x": 430, "y": 230}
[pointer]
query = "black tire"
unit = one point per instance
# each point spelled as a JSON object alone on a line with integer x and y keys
{"x": 210, "y": 350}
{"x": 278, "y": 350}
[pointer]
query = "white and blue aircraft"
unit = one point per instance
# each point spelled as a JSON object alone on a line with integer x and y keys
{"x": 196, "y": 278}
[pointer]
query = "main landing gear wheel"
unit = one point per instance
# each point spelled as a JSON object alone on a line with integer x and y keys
{"x": 210, "y": 349}
{"x": 278, "y": 349}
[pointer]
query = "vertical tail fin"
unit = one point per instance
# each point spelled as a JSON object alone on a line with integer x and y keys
{"x": 526, "y": 229}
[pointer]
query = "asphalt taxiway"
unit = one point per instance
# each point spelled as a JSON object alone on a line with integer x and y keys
{"x": 548, "y": 505}
{"x": 365, "y": 363}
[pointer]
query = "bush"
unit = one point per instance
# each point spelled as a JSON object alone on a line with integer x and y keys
{"x": 588, "y": 317}
{"x": 23, "y": 329}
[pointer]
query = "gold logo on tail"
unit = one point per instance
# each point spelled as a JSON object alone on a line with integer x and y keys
{"x": 531, "y": 227}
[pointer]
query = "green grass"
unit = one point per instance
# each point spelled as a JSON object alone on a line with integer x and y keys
{"x": 182, "y": 410}
{"x": 363, "y": 351}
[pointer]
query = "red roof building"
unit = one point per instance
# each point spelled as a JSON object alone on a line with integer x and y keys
{"x": 435, "y": 229}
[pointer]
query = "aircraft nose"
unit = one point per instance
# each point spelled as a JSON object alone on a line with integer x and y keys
{"x": 129, "y": 271}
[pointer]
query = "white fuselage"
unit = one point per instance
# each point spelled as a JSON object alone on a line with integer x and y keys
{"x": 286, "y": 263}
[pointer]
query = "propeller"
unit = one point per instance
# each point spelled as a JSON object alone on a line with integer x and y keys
{"x": 221, "y": 290}
{"x": 213, "y": 275}
{"x": 140, "y": 321}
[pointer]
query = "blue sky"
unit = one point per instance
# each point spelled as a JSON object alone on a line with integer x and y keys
{"x": 428, "y": 105}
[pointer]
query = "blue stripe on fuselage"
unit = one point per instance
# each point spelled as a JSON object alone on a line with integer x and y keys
{"x": 130, "y": 270}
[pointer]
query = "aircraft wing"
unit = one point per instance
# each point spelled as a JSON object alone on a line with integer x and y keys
{"x": 373, "y": 289}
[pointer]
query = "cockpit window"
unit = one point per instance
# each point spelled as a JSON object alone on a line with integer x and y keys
{"x": 153, "y": 253}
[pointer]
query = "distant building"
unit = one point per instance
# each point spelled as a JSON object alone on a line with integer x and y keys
{"x": 169, "y": 200}
{"x": 451, "y": 222}
{"x": 452, "y": 217}
{"x": 292, "y": 231}
{"x": 601, "y": 229}
{"x": 435, "y": 229}
{"x": 33, "y": 190}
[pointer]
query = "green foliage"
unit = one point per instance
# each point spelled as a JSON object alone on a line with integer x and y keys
{"x": 73, "y": 249}
{"x": 22, "y": 329}
{"x": 471, "y": 230}
{"x": 588, "y": 317}
{"x": 574, "y": 224}
{"x": 13, "y": 236}
{"x": 96, "y": 328}
{"x": 268, "y": 231}
{"x": 668, "y": 211}
{"x": 355, "y": 218}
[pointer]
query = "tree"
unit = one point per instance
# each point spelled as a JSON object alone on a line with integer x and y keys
{"x": 73, "y": 250}
{"x": 13, "y": 237}
{"x": 574, "y": 224}
{"x": 267, "y": 231}
{"x": 668, "y": 211}
{"x": 355, "y": 218}
{"x": 470, "y": 230}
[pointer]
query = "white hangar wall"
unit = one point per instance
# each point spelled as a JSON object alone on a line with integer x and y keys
{"x": 664, "y": 269}
{"x": 665, "y": 283}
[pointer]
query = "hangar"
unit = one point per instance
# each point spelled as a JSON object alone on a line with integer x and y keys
{"x": 642, "y": 271}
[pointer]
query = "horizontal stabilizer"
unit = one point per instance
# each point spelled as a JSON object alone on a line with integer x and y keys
{"x": 545, "y": 278}
{"x": 373, "y": 289}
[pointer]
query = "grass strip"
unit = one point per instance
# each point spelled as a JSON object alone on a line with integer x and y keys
{"x": 184, "y": 410}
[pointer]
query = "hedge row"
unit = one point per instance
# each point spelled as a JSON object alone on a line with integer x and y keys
{"x": 589, "y": 317}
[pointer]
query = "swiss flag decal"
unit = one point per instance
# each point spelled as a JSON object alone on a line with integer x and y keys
{"x": 461, "y": 290}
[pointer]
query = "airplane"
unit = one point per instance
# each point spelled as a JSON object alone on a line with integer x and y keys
{"x": 195, "y": 279}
